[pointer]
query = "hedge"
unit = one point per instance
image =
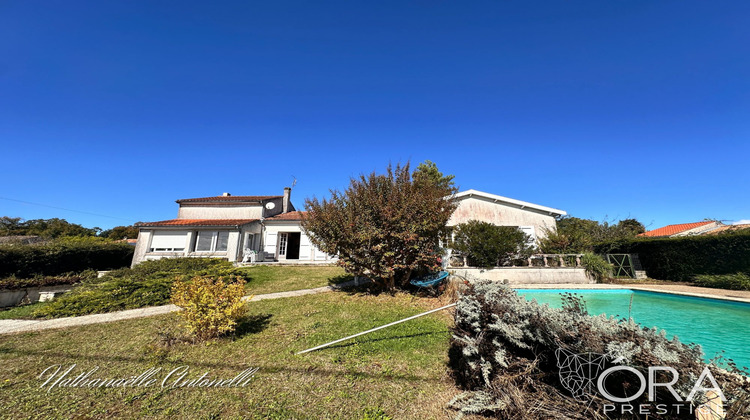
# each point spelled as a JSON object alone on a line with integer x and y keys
{"x": 681, "y": 259}
{"x": 147, "y": 284}
{"x": 63, "y": 256}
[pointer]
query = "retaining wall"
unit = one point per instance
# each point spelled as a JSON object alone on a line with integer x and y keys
{"x": 527, "y": 275}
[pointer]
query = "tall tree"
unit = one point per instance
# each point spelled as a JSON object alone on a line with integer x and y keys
{"x": 428, "y": 171}
{"x": 384, "y": 226}
{"x": 120, "y": 232}
{"x": 574, "y": 234}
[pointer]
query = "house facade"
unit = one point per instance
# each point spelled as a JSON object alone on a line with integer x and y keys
{"x": 236, "y": 228}
{"x": 269, "y": 228}
{"x": 533, "y": 219}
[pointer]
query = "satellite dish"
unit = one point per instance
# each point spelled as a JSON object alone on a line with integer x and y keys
{"x": 270, "y": 206}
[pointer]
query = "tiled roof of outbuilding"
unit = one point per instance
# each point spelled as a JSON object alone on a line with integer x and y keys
{"x": 197, "y": 222}
{"x": 670, "y": 230}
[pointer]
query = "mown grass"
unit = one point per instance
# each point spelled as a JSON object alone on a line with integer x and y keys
{"x": 399, "y": 372}
{"x": 20, "y": 312}
{"x": 272, "y": 279}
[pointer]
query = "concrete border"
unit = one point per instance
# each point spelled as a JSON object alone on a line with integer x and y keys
{"x": 646, "y": 288}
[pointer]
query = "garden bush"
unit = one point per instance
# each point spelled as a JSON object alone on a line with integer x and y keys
{"x": 210, "y": 306}
{"x": 147, "y": 284}
{"x": 596, "y": 266}
{"x": 64, "y": 255}
{"x": 504, "y": 354}
{"x": 737, "y": 281}
{"x": 14, "y": 282}
{"x": 488, "y": 245}
{"x": 680, "y": 259}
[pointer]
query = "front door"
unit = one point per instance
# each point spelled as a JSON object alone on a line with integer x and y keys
{"x": 292, "y": 252}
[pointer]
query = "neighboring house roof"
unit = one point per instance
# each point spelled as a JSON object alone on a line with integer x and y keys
{"x": 292, "y": 215}
{"x": 673, "y": 229}
{"x": 727, "y": 228}
{"x": 231, "y": 199}
{"x": 198, "y": 222}
{"x": 517, "y": 203}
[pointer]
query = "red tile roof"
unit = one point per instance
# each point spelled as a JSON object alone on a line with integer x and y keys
{"x": 673, "y": 229}
{"x": 198, "y": 222}
{"x": 230, "y": 199}
{"x": 292, "y": 215}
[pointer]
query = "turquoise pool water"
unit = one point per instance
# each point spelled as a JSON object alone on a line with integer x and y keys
{"x": 714, "y": 324}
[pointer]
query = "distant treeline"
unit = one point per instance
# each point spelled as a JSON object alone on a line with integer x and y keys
{"x": 59, "y": 228}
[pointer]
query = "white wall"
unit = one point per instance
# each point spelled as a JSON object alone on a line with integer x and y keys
{"x": 501, "y": 214}
{"x": 220, "y": 212}
{"x": 527, "y": 275}
{"x": 145, "y": 238}
{"x": 307, "y": 252}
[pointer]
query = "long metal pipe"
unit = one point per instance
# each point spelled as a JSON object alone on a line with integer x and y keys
{"x": 377, "y": 328}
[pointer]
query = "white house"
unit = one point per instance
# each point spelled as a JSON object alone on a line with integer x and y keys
{"x": 533, "y": 219}
{"x": 268, "y": 228}
{"x": 236, "y": 228}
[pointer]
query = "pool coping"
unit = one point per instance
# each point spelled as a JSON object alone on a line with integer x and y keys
{"x": 644, "y": 288}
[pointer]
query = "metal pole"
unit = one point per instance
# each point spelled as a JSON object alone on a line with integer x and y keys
{"x": 377, "y": 328}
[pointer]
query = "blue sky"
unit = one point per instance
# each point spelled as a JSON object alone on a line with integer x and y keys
{"x": 606, "y": 109}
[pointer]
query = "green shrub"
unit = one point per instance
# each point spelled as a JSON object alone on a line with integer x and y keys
{"x": 14, "y": 282}
{"x": 210, "y": 307}
{"x": 147, "y": 284}
{"x": 488, "y": 245}
{"x": 738, "y": 281}
{"x": 596, "y": 266}
{"x": 64, "y": 255}
{"x": 504, "y": 353}
{"x": 680, "y": 259}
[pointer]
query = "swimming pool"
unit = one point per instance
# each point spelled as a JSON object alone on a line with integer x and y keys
{"x": 714, "y": 324}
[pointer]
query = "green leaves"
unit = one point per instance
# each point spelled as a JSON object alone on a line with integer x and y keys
{"x": 383, "y": 226}
{"x": 487, "y": 245}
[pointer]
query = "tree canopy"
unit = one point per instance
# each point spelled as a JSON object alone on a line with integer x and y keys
{"x": 120, "y": 232}
{"x": 46, "y": 228}
{"x": 575, "y": 235}
{"x": 384, "y": 226}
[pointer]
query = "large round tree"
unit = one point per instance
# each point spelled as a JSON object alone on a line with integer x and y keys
{"x": 384, "y": 226}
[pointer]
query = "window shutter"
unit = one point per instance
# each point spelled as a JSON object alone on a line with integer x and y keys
{"x": 270, "y": 246}
{"x": 168, "y": 241}
{"x": 305, "y": 248}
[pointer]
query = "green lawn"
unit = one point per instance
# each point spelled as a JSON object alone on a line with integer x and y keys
{"x": 19, "y": 312}
{"x": 399, "y": 372}
{"x": 271, "y": 279}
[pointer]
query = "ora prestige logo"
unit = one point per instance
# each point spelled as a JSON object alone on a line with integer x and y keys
{"x": 583, "y": 374}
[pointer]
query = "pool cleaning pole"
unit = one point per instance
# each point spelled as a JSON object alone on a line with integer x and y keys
{"x": 377, "y": 328}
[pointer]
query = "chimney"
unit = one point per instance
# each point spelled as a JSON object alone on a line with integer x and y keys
{"x": 285, "y": 201}
{"x": 225, "y": 194}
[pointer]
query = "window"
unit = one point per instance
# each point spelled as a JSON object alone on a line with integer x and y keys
{"x": 209, "y": 241}
{"x": 282, "y": 243}
{"x": 249, "y": 241}
{"x": 162, "y": 241}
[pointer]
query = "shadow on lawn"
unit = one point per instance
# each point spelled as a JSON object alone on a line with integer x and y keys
{"x": 252, "y": 324}
{"x": 343, "y": 278}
